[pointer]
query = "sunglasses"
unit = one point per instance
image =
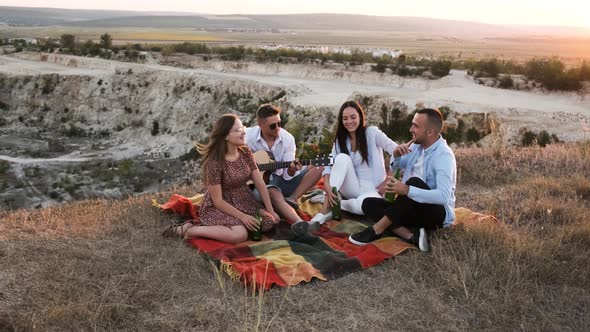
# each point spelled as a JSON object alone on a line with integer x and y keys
{"x": 274, "y": 126}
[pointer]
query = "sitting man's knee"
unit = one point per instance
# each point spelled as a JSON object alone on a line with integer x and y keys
{"x": 417, "y": 182}
{"x": 313, "y": 170}
{"x": 368, "y": 204}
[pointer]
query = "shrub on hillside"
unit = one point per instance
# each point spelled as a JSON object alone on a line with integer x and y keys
{"x": 379, "y": 67}
{"x": 68, "y": 41}
{"x": 445, "y": 111}
{"x": 528, "y": 138}
{"x": 542, "y": 139}
{"x": 584, "y": 71}
{"x": 395, "y": 123}
{"x": 191, "y": 48}
{"x": 552, "y": 74}
{"x": 155, "y": 128}
{"x": 440, "y": 68}
{"x": 48, "y": 84}
{"x": 506, "y": 82}
{"x": 74, "y": 131}
{"x": 472, "y": 135}
{"x": 486, "y": 68}
{"x": 106, "y": 41}
{"x": 454, "y": 134}
{"x": 403, "y": 71}
{"x": 4, "y": 167}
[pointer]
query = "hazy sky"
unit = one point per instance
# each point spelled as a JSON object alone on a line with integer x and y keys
{"x": 536, "y": 12}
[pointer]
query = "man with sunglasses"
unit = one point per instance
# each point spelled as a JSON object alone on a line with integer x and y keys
{"x": 287, "y": 184}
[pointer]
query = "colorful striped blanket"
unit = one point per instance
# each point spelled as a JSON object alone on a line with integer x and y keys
{"x": 284, "y": 259}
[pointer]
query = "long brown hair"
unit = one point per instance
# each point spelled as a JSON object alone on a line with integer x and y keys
{"x": 216, "y": 148}
{"x": 342, "y": 133}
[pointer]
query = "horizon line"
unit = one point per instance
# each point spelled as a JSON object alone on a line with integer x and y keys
{"x": 314, "y": 13}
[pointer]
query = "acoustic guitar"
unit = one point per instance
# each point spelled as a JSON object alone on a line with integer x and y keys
{"x": 266, "y": 164}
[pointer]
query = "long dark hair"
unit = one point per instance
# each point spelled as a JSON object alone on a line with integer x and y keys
{"x": 342, "y": 133}
{"x": 216, "y": 148}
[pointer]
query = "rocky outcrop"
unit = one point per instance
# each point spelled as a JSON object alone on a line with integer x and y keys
{"x": 162, "y": 111}
{"x": 315, "y": 70}
{"x": 108, "y": 130}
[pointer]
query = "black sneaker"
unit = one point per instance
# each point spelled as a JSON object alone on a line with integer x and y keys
{"x": 420, "y": 240}
{"x": 299, "y": 228}
{"x": 313, "y": 226}
{"x": 364, "y": 237}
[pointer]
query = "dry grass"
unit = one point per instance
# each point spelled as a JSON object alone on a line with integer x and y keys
{"x": 102, "y": 265}
{"x": 120, "y": 35}
{"x": 164, "y": 35}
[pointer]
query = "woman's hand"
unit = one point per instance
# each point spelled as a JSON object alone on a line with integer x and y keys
{"x": 381, "y": 188}
{"x": 329, "y": 195}
{"x": 249, "y": 222}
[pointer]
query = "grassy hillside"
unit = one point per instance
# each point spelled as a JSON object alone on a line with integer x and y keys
{"x": 32, "y": 17}
{"x": 102, "y": 265}
{"x": 321, "y": 22}
{"x": 166, "y": 22}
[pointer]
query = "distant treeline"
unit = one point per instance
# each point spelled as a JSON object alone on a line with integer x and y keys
{"x": 402, "y": 65}
{"x": 550, "y": 72}
{"x": 68, "y": 44}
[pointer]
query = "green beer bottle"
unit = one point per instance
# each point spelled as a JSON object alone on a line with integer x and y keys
{"x": 256, "y": 235}
{"x": 390, "y": 195}
{"x": 336, "y": 208}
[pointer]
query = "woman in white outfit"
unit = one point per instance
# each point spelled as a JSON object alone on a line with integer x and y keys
{"x": 359, "y": 168}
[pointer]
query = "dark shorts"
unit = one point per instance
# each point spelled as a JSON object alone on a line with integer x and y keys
{"x": 285, "y": 187}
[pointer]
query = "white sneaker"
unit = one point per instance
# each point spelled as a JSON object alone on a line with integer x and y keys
{"x": 423, "y": 240}
{"x": 318, "y": 198}
{"x": 321, "y": 218}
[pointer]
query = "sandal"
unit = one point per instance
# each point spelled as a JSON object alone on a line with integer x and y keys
{"x": 172, "y": 231}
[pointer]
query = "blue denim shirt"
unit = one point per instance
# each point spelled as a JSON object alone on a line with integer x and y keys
{"x": 440, "y": 174}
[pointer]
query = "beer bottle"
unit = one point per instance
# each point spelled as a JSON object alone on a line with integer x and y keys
{"x": 390, "y": 195}
{"x": 336, "y": 208}
{"x": 256, "y": 235}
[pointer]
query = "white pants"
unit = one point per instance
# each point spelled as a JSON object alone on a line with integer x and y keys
{"x": 353, "y": 191}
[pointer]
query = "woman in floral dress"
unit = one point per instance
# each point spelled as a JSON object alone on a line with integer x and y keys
{"x": 228, "y": 208}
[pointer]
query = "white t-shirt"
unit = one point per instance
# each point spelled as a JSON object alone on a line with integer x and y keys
{"x": 363, "y": 171}
{"x": 418, "y": 170}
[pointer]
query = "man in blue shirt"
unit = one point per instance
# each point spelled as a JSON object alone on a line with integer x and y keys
{"x": 425, "y": 196}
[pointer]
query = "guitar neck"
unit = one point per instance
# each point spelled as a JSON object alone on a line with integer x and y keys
{"x": 281, "y": 164}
